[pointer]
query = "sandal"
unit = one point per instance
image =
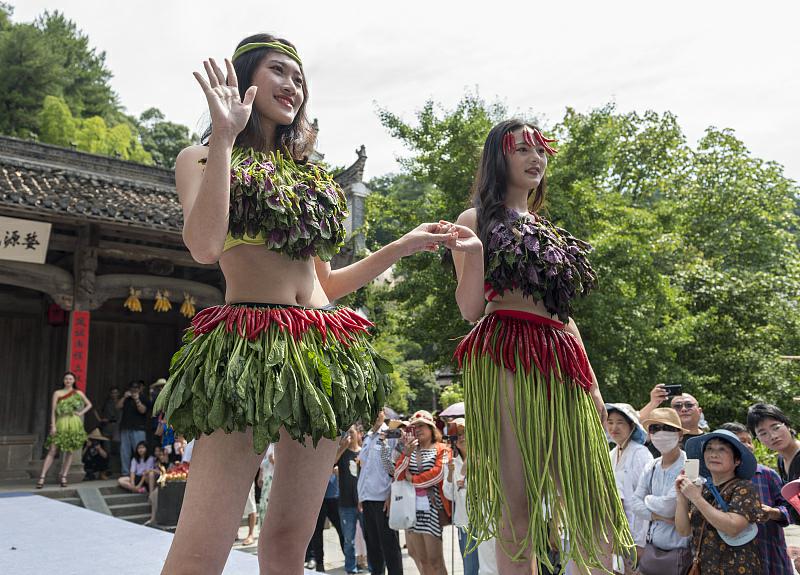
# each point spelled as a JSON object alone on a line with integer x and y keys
{"x": 63, "y": 482}
{"x": 40, "y": 483}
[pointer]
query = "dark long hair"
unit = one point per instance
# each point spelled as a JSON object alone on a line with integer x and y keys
{"x": 298, "y": 137}
{"x": 146, "y": 452}
{"x": 491, "y": 181}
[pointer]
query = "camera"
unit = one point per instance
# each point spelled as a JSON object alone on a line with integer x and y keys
{"x": 393, "y": 433}
{"x": 673, "y": 390}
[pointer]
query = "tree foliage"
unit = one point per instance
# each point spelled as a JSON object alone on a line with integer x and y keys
{"x": 696, "y": 248}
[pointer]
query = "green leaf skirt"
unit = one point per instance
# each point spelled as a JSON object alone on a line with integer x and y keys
{"x": 69, "y": 434}
{"x": 573, "y": 503}
{"x": 263, "y": 366}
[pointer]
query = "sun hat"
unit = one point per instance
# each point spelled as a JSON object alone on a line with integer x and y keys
{"x": 664, "y": 416}
{"x": 422, "y": 416}
{"x": 460, "y": 422}
{"x": 160, "y": 382}
{"x": 95, "y": 434}
{"x": 695, "y": 447}
{"x": 791, "y": 493}
{"x": 395, "y": 423}
{"x": 639, "y": 435}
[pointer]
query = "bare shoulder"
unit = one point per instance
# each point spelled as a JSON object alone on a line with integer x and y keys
{"x": 190, "y": 157}
{"x": 468, "y": 218}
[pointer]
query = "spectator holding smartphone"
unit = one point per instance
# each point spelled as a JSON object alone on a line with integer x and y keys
{"x": 686, "y": 405}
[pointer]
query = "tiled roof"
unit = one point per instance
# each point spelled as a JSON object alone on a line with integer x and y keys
{"x": 43, "y": 179}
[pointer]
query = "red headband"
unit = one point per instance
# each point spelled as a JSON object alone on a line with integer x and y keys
{"x": 532, "y": 136}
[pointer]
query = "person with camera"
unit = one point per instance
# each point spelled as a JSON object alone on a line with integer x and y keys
{"x": 686, "y": 406}
{"x": 132, "y": 424}
{"x": 374, "y": 490}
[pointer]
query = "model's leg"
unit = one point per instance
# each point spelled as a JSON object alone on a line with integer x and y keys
{"x": 65, "y": 463}
{"x": 298, "y": 486}
{"x": 515, "y": 519}
{"x": 48, "y": 461}
{"x": 219, "y": 459}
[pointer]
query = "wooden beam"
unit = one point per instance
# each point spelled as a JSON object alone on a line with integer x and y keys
{"x": 52, "y": 280}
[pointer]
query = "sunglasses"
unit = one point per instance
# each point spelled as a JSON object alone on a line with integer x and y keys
{"x": 678, "y": 405}
{"x": 656, "y": 427}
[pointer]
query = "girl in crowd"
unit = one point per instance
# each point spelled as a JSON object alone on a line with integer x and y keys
{"x": 721, "y": 515}
{"x": 67, "y": 408}
{"x": 629, "y": 459}
{"x": 539, "y": 463}
{"x": 143, "y": 471}
{"x": 277, "y": 362}
{"x": 424, "y": 460}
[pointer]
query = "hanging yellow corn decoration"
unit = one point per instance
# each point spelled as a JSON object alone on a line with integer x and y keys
{"x": 187, "y": 307}
{"x": 162, "y": 301}
{"x": 133, "y": 303}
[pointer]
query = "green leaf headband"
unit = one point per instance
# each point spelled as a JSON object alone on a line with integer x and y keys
{"x": 279, "y": 46}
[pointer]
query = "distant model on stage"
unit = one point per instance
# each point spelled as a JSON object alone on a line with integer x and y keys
{"x": 68, "y": 406}
{"x": 539, "y": 471}
{"x": 277, "y": 362}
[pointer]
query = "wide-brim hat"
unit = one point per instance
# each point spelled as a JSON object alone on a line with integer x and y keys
{"x": 160, "y": 382}
{"x": 422, "y": 416}
{"x": 460, "y": 422}
{"x": 395, "y": 423}
{"x": 791, "y": 493}
{"x": 626, "y": 410}
{"x": 664, "y": 416}
{"x": 696, "y": 445}
{"x": 95, "y": 434}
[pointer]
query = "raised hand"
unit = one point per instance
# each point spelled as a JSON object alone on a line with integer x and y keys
{"x": 229, "y": 112}
{"x": 462, "y": 239}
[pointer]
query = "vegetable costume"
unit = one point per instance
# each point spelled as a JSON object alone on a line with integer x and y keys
{"x": 267, "y": 366}
{"x": 573, "y": 503}
{"x": 69, "y": 434}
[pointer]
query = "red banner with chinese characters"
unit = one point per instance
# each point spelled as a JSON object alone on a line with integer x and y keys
{"x": 79, "y": 346}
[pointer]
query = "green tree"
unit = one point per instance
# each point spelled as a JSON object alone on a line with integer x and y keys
{"x": 56, "y": 123}
{"x": 163, "y": 140}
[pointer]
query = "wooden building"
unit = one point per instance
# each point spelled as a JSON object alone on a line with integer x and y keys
{"x": 113, "y": 225}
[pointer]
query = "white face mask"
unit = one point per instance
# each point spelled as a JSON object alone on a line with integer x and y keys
{"x": 665, "y": 441}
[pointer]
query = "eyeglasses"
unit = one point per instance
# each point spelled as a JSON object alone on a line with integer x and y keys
{"x": 656, "y": 427}
{"x": 774, "y": 428}
{"x": 679, "y": 405}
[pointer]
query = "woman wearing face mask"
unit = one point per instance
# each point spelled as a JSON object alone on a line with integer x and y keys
{"x": 666, "y": 552}
{"x": 628, "y": 459}
{"x": 721, "y": 515}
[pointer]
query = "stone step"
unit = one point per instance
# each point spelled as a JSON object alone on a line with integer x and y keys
{"x": 125, "y": 497}
{"x": 127, "y": 510}
{"x": 74, "y": 500}
{"x": 59, "y": 493}
{"x": 141, "y": 518}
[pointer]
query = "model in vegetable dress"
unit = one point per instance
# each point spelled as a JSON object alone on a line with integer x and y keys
{"x": 67, "y": 434}
{"x": 540, "y": 476}
{"x": 277, "y": 362}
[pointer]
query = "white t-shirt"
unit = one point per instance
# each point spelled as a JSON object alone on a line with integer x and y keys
{"x": 187, "y": 452}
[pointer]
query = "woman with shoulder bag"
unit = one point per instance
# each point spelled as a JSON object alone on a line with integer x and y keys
{"x": 666, "y": 552}
{"x": 721, "y": 515}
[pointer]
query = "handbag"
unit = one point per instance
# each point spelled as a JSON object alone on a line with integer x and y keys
{"x": 656, "y": 561}
{"x": 403, "y": 508}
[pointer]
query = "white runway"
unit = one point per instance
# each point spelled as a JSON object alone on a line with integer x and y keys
{"x": 39, "y": 536}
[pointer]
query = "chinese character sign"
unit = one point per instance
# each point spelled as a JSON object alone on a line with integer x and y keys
{"x": 23, "y": 240}
{"x": 79, "y": 346}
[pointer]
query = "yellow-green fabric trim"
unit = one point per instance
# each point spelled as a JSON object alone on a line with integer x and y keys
{"x": 231, "y": 242}
{"x": 279, "y": 46}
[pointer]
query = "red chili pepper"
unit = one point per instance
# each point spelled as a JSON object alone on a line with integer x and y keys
{"x": 229, "y": 319}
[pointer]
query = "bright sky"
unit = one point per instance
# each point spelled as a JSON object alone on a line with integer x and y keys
{"x": 725, "y": 64}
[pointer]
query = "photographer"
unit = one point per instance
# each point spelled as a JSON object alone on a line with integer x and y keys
{"x": 686, "y": 406}
{"x": 133, "y": 423}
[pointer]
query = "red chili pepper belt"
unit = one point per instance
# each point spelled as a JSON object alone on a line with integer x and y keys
{"x": 251, "y": 319}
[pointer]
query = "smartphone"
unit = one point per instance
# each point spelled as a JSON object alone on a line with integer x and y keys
{"x": 393, "y": 433}
{"x": 673, "y": 390}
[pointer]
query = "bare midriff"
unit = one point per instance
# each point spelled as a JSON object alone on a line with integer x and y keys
{"x": 513, "y": 300}
{"x": 255, "y": 274}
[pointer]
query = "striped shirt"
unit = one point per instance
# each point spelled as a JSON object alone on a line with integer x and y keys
{"x": 427, "y": 469}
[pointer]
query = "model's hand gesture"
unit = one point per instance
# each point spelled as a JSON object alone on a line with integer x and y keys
{"x": 425, "y": 237}
{"x": 229, "y": 112}
{"x": 462, "y": 238}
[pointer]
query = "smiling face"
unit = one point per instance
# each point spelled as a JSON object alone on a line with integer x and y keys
{"x": 527, "y": 164}
{"x": 423, "y": 433}
{"x": 618, "y": 427}
{"x": 69, "y": 380}
{"x": 280, "y": 83}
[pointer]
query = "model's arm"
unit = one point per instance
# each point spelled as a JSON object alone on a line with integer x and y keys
{"x": 88, "y": 406}
{"x": 339, "y": 283}
{"x": 205, "y": 193}
{"x": 469, "y": 268}
{"x": 53, "y": 402}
